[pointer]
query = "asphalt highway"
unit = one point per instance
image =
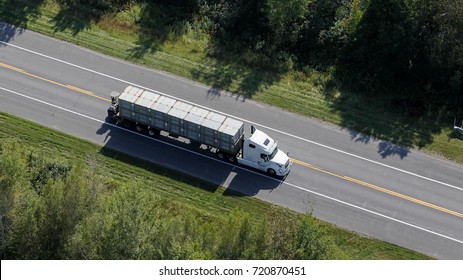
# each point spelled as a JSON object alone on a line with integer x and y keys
{"x": 382, "y": 190}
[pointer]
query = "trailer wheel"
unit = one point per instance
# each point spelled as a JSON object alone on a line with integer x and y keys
{"x": 271, "y": 172}
{"x": 152, "y": 132}
{"x": 126, "y": 123}
{"x": 232, "y": 158}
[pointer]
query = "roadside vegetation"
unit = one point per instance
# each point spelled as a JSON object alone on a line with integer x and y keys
{"x": 388, "y": 69}
{"x": 66, "y": 198}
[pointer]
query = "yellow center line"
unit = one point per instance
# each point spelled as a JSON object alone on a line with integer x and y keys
{"x": 53, "y": 82}
{"x": 371, "y": 186}
{"x": 11, "y": 67}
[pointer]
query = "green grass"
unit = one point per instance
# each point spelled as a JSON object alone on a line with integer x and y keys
{"x": 200, "y": 196}
{"x": 184, "y": 50}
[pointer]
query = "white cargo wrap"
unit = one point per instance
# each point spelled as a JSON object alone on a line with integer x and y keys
{"x": 182, "y": 119}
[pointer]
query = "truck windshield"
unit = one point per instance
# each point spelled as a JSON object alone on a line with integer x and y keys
{"x": 272, "y": 155}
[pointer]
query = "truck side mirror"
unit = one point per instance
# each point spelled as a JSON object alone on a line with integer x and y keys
{"x": 253, "y": 129}
{"x": 114, "y": 97}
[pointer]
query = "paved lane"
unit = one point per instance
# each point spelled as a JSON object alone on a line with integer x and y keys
{"x": 410, "y": 198}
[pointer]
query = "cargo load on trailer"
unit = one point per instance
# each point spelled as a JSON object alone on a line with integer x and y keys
{"x": 153, "y": 112}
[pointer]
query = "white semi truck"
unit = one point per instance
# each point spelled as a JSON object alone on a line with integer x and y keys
{"x": 153, "y": 112}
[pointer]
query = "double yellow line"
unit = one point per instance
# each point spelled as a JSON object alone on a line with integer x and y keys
{"x": 383, "y": 190}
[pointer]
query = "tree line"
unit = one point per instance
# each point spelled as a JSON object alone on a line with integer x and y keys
{"x": 53, "y": 208}
{"x": 407, "y": 52}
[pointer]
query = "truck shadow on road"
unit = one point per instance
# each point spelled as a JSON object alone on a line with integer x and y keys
{"x": 180, "y": 160}
{"x": 18, "y": 15}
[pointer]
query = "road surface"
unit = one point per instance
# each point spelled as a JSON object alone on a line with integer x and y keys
{"x": 370, "y": 186}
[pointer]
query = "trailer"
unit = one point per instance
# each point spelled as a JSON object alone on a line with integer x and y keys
{"x": 152, "y": 113}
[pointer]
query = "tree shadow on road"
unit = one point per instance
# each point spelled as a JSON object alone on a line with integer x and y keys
{"x": 380, "y": 93}
{"x": 387, "y": 149}
{"x": 367, "y": 118}
{"x": 17, "y": 13}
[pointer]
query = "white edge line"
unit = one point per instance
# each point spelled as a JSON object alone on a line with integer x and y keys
{"x": 374, "y": 213}
{"x": 238, "y": 118}
{"x": 283, "y": 182}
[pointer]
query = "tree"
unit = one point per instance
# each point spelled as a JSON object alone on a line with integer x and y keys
{"x": 12, "y": 171}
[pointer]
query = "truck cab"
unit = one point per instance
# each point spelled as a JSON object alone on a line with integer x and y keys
{"x": 261, "y": 152}
{"x": 114, "y": 107}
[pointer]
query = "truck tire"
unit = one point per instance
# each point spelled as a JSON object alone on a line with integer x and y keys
{"x": 220, "y": 155}
{"x": 139, "y": 128}
{"x": 271, "y": 172}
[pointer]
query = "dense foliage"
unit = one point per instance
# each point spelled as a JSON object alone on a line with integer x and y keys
{"x": 52, "y": 208}
{"x": 404, "y": 55}
{"x": 406, "y": 52}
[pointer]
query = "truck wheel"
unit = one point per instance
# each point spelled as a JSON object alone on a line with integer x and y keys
{"x": 220, "y": 155}
{"x": 271, "y": 172}
{"x": 152, "y": 132}
{"x": 139, "y": 128}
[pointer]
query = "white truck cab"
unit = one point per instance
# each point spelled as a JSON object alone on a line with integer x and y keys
{"x": 261, "y": 152}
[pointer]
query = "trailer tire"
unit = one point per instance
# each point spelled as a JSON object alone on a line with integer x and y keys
{"x": 127, "y": 124}
{"x": 232, "y": 158}
{"x": 271, "y": 172}
{"x": 152, "y": 132}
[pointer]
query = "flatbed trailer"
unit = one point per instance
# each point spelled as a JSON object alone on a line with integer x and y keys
{"x": 153, "y": 112}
